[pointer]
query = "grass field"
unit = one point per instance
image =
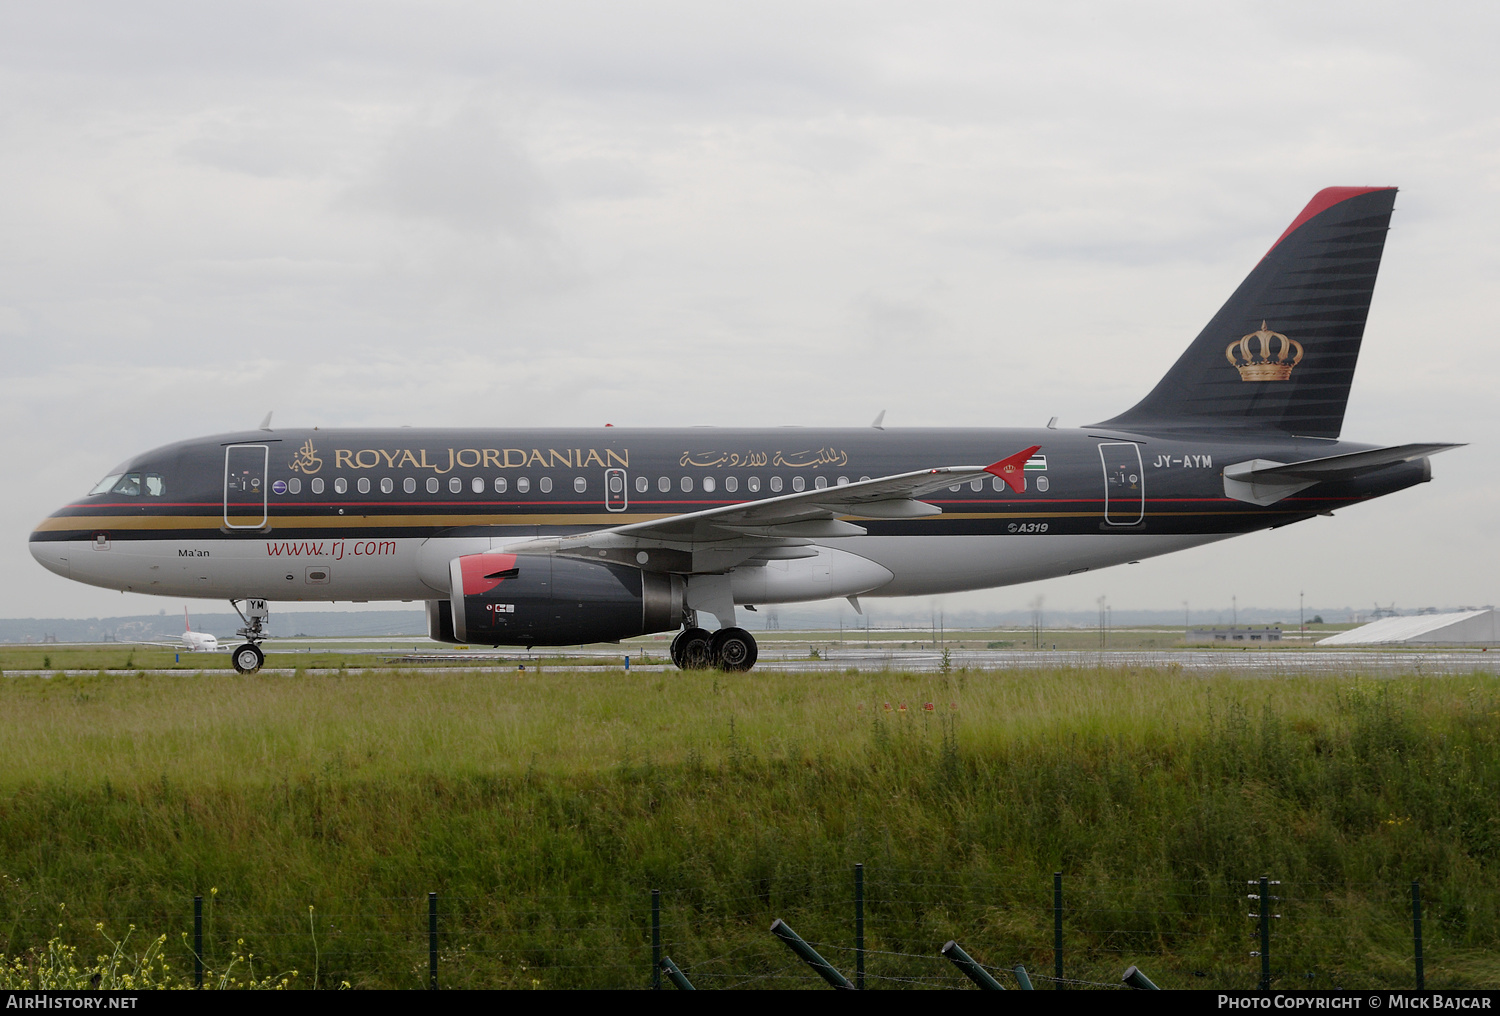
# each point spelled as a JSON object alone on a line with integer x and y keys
{"x": 542, "y": 808}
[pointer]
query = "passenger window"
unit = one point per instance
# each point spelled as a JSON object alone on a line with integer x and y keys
{"x": 642, "y": 485}
{"x": 294, "y": 485}
{"x": 523, "y": 484}
{"x": 364, "y": 485}
{"x": 500, "y": 485}
{"x": 775, "y": 483}
{"x": 663, "y": 484}
{"x": 455, "y": 485}
{"x": 616, "y": 483}
{"x": 477, "y": 485}
{"x": 129, "y": 485}
{"x": 843, "y": 481}
{"x": 155, "y": 485}
{"x": 580, "y": 484}
{"x": 409, "y": 485}
{"x": 997, "y": 483}
{"x": 687, "y": 484}
{"x": 955, "y": 487}
{"x": 821, "y": 482}
{"x": 1042, "y": 484}
{"x": 545, "y": 484}
{"x": 731, "y": 484}
{"x": 798, "y": 483}
{"x": 386, "y": 486}
{"x": 340, "y": 486}
{"x": 317, "y": 485}
{"x": 753, "y": 485}
{"x": 977, "y": 485}
{"x": 432, "y": 485}
{"x": 862, "y": 479}
{"x": 708, "y": 484}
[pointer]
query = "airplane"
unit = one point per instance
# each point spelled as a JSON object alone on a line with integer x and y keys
{"x": 189, "y": 641}
{"x": 526, "y": 537}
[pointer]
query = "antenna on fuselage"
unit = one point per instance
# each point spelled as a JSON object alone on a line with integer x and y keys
{"x": 266, "y": 423}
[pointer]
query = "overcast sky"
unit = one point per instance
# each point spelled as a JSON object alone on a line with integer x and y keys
{"x": 491, "y": 214}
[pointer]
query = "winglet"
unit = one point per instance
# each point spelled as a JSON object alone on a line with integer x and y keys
{"x": 1011, "y": 469}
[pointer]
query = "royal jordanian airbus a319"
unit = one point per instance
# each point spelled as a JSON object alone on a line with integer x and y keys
{"x": 562, "y": 537}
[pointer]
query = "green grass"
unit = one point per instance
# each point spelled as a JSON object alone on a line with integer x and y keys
{"x": 544, "y": 807}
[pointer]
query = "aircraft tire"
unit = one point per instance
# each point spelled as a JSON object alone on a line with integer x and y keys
{"x": 248, "y": 658}
{"x": 734, "y": 649}
{"x": 692, "y": 649}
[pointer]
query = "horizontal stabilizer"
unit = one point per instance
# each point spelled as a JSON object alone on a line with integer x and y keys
{"x": 1345, "y": 467}
{"x": 1264, "y": 482}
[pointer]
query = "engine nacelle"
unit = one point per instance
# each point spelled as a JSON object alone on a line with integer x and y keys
{"x": 503, "y": 599}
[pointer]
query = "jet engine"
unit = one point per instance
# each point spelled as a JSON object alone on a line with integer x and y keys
{"x": 500, "y": 599}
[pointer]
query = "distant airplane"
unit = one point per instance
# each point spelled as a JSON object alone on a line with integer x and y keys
{"x": 561, "y": 537}
{"x": 190, "y": 641}
{"x": 197, "y": 641}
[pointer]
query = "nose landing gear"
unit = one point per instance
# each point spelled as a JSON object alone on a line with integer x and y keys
{"x": 732, "y": 649}
{"x": 249, "y": 658}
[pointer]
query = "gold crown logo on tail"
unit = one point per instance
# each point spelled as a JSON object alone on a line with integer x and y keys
{"x": 1264, "y": 355}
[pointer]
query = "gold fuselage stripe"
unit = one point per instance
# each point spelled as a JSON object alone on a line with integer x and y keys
{"x": 93, "y": 523}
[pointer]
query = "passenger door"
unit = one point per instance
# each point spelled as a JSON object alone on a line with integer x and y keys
{"x": 245, "y": 486}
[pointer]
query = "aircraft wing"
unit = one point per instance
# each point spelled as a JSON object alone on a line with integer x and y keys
{"x": 798, "y": 518}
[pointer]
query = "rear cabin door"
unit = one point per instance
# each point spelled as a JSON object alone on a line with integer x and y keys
{"x": 1124, "y": 483}
{"x": 245, "y": 486}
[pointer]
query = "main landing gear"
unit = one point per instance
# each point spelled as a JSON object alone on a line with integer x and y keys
{"x": 727, "y": 649}
{"x": 249, "y": 658}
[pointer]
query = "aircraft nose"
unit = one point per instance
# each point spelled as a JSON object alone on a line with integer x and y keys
{"x": 51, "y": 554}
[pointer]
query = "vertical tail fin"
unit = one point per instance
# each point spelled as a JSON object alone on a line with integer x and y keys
{"x": 1281, "y": 352}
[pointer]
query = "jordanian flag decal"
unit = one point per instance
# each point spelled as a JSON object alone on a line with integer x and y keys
{"x": 1037, "y": 462}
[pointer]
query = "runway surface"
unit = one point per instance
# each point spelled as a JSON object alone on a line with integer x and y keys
{"x": 836, "y": 659}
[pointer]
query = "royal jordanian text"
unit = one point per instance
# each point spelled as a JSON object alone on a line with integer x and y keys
{"x": 478, "y": 458}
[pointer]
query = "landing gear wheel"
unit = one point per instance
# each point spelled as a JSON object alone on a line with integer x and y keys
{"x": 247, "y": 658}
{"x": 734, "y": 649}
{"x": 692, "y": 649}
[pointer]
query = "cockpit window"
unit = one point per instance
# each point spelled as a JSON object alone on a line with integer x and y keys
{"x": 131, "y": 485}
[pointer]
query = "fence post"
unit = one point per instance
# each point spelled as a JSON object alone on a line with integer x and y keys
{"x": 1416, "y": 931}
{"x": 677, "y": 976}
{"x": 807, "y": 954}
{"x": 971, "y": 969}
{"x": 1057, "y": 950}
{"x": 1265, "y": 933}
{"x": 655, "y": 939}
{"x": 197, "y": 941}
{"x": 432, "y": 941}
{"x": 859, "y": 927}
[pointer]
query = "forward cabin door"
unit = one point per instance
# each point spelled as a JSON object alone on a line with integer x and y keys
{"x": 616, "y": 494}
{"x": 245, "y": 486}
{"x": 1124, "y": 483}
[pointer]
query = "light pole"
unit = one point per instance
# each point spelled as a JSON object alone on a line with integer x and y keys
{"x": 1234, "y": 602}
{"x": 1301, "y": 619}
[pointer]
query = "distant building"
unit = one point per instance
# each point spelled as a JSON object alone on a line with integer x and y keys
{"x": 1234, "y": 634}
{"x": 1465, "y": 628}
